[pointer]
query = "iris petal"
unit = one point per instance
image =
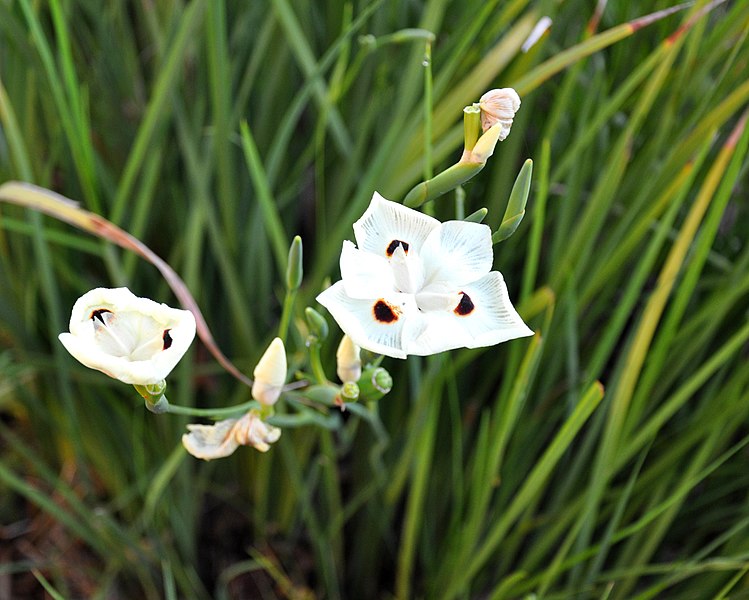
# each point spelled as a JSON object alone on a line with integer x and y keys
{"x": 365, "y": 275}
{"x": 378, "y": 325}
{"x": 490, "y": 321}
{"x": 385, "y": 222}
{"x": 458, "y": 252}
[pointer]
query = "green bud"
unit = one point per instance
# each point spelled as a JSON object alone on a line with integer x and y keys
{"x": 478, "y": 216}
{"x": 350, "y": 392}
{"x": 294, "y": 270}
{"x": 317, "y": 324}
{"x": 516, "y": 206}
{"x": 375, "y": 382}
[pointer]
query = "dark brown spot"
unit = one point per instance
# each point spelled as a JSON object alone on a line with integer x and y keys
{"x": 167, "y": 339}
{"x": 383, "y": 312}
{"x": 465, "y": 306}
{"x": 394, "y": 244}
{"x": 97, "y": 314}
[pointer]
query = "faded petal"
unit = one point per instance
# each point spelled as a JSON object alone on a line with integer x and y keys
{"x": 385, "y": 225}
{"x": 379, "y": 325}
{"x": 224, "y": 437}
{"x": 270, "y": 374}
{"x": 484, "y": 316}
{"x": 499, "y": 106}
{"x": 458, "y": 252}
{"x": 211, "y": 441}
{"x": 135, "y": 340}
{"x": 251, "y": 430}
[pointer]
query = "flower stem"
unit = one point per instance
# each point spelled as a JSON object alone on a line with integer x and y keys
{"x": 316, "y": 364}
{"x": 212, "y": 412}
{"x": 441, "y": 183}
{"x": 288, "y": 308}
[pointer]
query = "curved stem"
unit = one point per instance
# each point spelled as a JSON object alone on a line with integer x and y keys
{"x": 212, "y": 412}
{"x": 316, "y": 364}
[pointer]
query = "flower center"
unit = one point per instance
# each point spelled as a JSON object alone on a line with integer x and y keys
{"x": 408, "y": 271}
{"x": 129, "y": 335}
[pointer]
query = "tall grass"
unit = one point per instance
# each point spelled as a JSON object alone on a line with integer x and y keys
{"x": 603, "y": 458}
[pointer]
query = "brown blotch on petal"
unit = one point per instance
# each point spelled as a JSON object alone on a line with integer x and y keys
{"x": 394, "y": 244}
{"x": 167, "y": 339}
{"x": 96, "y": 314}
{"x": 465, "y": 306}
{"x": 384, "y": 313}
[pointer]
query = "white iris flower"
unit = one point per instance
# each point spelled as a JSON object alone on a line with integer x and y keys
{"x": 135, "y": 340}
{"x": 224, "y": 437}
{"x": 417, "y": 286}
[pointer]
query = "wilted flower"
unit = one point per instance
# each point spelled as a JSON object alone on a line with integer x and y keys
{"x": 418, "y": 286}
{"x": 224, "y": 437}
{"x": 270, "y": 374}
{"x": 499, "y": 106}
{"x": 135, "y": 340}
{"x": 348, "y": 360}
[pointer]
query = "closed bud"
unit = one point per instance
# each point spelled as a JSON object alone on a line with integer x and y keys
{"x": 349, "y": 392}
{"x": 375, "y": 382}
{"x": 348, "y": 361}
{"x": 294, "y": 270}
{"x": 317, "y": 324}
{"x": 270, "y": 374}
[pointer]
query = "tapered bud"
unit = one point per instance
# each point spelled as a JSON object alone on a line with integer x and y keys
{"x": 348, "y": 360}
{"x": 270, "y": 374}
{"x": 317, "y": 324}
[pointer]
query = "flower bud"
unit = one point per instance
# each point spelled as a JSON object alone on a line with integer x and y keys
{"x": 294, "y": 270}
{"x": 317, "y": 324}
{"x": 375, "y": 382}
{"x": 499, "y": 106}
{"x": 348, "y": 360}
{"x": 270, "y": 374}
{"x": 349, "y": 392}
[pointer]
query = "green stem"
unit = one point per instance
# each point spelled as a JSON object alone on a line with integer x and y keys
{"x": 442, "y": 183}
{"x": 288, "y": 308}
{"x": 212, "y": 412}
{"x": 316, "y": 364}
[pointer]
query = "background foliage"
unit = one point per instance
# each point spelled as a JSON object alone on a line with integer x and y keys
{"x": 215, "y": 131}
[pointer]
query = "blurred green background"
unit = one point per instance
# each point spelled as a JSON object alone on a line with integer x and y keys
{"x": 215, "y": 131}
